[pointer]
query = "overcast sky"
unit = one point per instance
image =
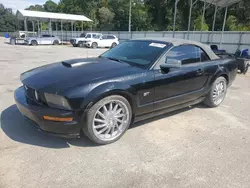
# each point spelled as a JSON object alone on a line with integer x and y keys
{"x": 22, "y": 4}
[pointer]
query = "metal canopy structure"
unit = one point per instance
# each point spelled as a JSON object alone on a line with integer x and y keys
{"x": 47, "y": 16}
{"x": 39, "y": 17}
{"x": 219, "y": 4}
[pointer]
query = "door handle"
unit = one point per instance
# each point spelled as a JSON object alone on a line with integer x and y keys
{"x": 199, "y": 72}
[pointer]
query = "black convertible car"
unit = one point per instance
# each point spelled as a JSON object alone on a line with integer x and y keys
{"x": 138, "y": 79}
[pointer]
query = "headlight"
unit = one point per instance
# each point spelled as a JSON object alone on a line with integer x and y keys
{"x": 56, "y": 101}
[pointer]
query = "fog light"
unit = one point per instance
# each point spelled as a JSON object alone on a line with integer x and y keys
{"x": 49, "y": 118}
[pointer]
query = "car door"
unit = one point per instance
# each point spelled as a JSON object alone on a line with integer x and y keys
{"x": 103, "y": 41}
{"x": 110, "y": 40}
{"x": 184, "y": 84}
{"x": 45, "y": 39}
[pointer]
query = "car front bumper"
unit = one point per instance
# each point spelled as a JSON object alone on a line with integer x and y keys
{"x": 35, "y": 113}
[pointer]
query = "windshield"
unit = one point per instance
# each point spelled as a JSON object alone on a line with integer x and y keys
{"x": 83, "y": 35}
{"x": 97, "y": 36}
{"x": 88, "y": 36}
{"x": 137, "y": 53}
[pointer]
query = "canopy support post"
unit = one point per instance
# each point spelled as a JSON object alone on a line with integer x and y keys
{"x": 223, "y": 28}
{"x": 50, "y": 27}
{"x": 56, "y": 29}
{"x": 62, "y": 32}
{"x": 38, "y": 28}
{"x": 202, "y": 20}
{"x": 190, "y": 16}
{"x": 215, "y": 13}
{"x": 33, "y": 27}
{"x": 25, "y": 25}
{"x": 72, "y": 28}
{"x": 82, "y": 26}
{"x": 41, "y": 28}
{"x": 175, "y": 12}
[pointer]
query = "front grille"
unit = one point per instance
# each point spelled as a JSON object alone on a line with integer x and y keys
{"x": 30, "y": 93}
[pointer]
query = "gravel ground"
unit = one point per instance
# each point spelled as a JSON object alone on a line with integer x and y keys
{"x": 194, "y": 147}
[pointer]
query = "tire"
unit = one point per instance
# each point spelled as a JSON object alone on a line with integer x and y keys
{"x": 108, "y": 131}
{"x": 34, "y": 43}
{"x": 113, "y": 45}
{"x": 211, "y": 99}
{"x": 80, "y": 44}
{"x": 94, "y": 45}
{"x": 56, "y": 42}
{"x": 74, "y": 45}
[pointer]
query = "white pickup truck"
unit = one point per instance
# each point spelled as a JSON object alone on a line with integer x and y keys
{"x": 78, "y": 42}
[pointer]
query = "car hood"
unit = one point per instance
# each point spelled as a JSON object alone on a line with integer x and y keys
{"x": 58, "y": 77}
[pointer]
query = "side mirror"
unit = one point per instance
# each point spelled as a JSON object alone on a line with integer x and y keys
{"x": 171, "y": 63}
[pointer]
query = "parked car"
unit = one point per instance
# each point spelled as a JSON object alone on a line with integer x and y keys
{"x": 136, "y": 80}
{"x": 102, "y": 41}
{"x": 43, "y": 39}
{"x": 78, "y": 42}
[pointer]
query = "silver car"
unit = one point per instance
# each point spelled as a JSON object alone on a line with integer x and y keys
{"x": 43, "y": 39}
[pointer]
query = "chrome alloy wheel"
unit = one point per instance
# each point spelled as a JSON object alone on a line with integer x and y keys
{"x": 110, "y": 120}
{"x": 219, "y": 92}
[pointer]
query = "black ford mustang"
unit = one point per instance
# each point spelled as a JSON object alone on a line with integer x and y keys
{"x": 136, "y": 80}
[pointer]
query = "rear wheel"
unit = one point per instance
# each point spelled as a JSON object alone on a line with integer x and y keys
{"x": 34, "y": 43}
{"x": 108, "y": 119}
{"x": 94, "y": 45}
{"x": 218, "y": 92}
{"x": 56, "y": 42}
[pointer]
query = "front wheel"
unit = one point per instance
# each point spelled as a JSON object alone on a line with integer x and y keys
{"x": 56, "y": 42}
{"x": 94, "y": 45}
{"x": 218, "y": 92}
{"x": 108, "y": 119}
{"x": 34, "y": 43}
{"x": 80, "y": 44}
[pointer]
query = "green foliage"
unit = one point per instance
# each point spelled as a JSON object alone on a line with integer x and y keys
{"x": 234, "y": 26}
{"x": 50, "y": 6}
{"x": 36, "y": 8}
{"x": 7, "y": 20}
{"x": 105, "y": 17}
{"x": 197, "y": 24}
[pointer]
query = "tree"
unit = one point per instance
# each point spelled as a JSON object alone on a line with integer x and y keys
{"x": 197, "y": 24}
{"x": 7, "y": 19}
{"x": 105, "y": 17}
{"x": 50, "y": 6}
{"x": 35, "y": 8}
{"x": 232, "y": 25}
{"x": 141, "y": 18}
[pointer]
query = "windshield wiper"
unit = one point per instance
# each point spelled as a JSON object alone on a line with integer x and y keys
{"x": 114, "y": 59}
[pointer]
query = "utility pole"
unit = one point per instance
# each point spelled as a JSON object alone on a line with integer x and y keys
{"x": 129, "y": 21}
